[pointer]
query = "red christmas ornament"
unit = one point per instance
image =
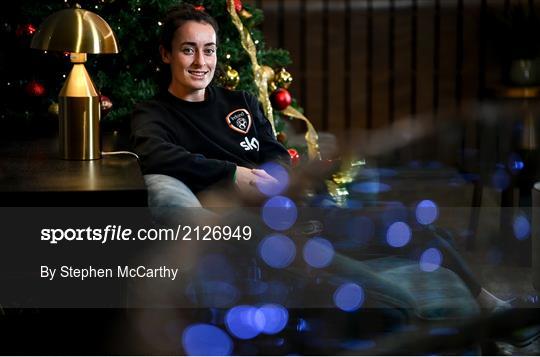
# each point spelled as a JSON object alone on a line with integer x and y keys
{"x": 106, "y": 104}
{"x": 281, "y": 98}
{"x": 25, "y": 30}
{"x": 35, "y": 89}
{"x": 200, "y": 8}
{"x": 295, "y": 157}
{"x": 238, "y": 5}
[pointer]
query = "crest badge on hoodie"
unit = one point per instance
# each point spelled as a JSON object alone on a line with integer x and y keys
{"x": 239, "y": 120}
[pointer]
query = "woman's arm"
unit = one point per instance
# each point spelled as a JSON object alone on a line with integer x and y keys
{"x": 159, "y": 154}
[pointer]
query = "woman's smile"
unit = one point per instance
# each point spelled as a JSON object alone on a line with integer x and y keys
{"x": 198, "y": 74}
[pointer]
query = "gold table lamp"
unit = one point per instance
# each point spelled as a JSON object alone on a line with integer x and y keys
{"x": 80, "y": 32}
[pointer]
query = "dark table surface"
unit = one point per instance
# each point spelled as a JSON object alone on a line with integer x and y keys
{"x": 32, "y": 173}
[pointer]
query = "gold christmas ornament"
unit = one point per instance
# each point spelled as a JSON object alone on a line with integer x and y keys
{"x": 283, "y": 78}
{"x": 230, "y": 78}
{"x": 268, "y": 75}
{"x": 53, "y": 109}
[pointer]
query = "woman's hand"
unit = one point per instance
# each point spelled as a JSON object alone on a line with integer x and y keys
{"x": 247, "y": 179}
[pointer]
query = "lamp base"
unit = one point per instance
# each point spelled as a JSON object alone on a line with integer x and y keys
{"x": 79, "y": 128}
{"x": 79, "y": 113}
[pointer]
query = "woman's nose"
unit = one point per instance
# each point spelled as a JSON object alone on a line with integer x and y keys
{"x": 199, "y": 58}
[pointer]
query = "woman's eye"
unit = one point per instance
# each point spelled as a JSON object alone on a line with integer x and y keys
{"x": 210, "y": 51}
{"x": 188, "y": 51}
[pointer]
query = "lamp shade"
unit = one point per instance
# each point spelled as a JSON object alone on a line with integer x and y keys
{"x": 75, "y": 30}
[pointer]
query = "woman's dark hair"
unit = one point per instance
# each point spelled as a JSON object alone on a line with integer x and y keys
{"x": 178, "y": 16}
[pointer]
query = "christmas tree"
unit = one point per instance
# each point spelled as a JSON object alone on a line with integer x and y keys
{"x": 32, "y": 78}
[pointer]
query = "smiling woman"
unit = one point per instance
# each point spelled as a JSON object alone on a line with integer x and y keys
{"x": 192, "y": 59}
{"x": 197, "y": 133}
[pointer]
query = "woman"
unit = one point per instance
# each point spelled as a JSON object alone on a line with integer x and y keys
{"x": 200, "y": 134}
{"x": 204, "y": 135}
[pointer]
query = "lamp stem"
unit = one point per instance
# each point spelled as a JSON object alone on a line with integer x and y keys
{"x": 75, "y": 57}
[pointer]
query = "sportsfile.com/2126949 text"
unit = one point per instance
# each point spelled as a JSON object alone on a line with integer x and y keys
{"x": 111, "y": 233}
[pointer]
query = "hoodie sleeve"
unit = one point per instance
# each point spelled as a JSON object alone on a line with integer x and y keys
{"x": 153, "y": 141}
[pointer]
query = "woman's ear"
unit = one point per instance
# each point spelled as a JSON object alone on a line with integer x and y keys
{"x": 165, "y": 55}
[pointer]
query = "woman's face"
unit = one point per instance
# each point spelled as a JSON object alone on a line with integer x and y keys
{"x": 192, "y": 59}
